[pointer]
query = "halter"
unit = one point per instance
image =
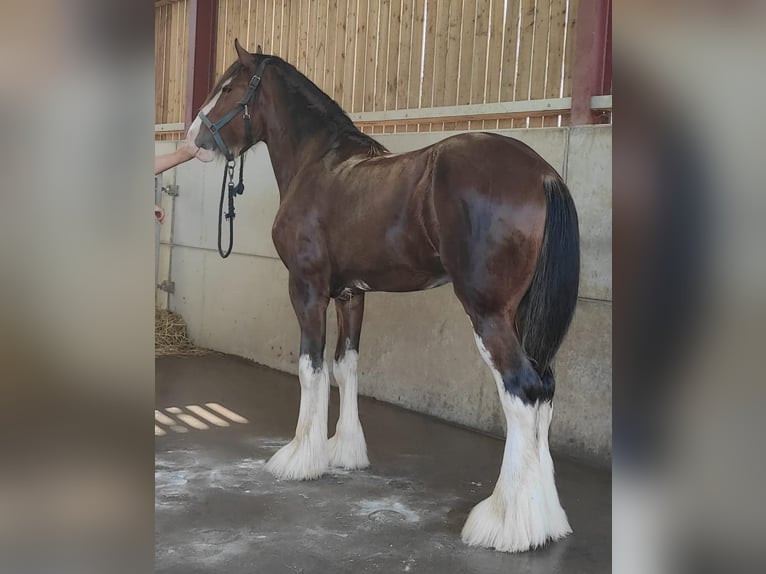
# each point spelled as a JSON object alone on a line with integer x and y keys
{"x": 228, "y": 172}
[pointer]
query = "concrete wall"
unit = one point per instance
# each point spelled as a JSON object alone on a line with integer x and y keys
{"x": 417, "y": 349}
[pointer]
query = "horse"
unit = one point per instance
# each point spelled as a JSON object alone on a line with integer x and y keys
{"x": 481, "y": 211}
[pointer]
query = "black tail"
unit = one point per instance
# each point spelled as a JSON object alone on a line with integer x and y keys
{"x": 547, "y": 308}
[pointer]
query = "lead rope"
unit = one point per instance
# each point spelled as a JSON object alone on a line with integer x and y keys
{"x": 234, "y": 190}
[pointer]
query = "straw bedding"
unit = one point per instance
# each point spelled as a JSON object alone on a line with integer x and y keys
{"x": 170, "y": 337}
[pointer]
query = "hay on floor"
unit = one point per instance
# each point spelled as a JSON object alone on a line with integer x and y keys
{"x": 170, "y": 337}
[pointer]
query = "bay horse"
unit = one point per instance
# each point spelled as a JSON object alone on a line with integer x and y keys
{"x": 480, "y": 210}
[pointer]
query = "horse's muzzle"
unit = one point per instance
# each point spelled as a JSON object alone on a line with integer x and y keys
{"x": 204, "y": 141}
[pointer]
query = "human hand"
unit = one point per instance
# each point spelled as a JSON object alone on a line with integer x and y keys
{"x": 187, "y": 150}
{"x": 159, "y": 214}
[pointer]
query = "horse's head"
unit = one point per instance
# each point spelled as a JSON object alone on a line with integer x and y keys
{"x": 228, "y": 122}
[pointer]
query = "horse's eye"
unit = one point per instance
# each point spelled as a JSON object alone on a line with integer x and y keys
{"x": 226, "y": 89}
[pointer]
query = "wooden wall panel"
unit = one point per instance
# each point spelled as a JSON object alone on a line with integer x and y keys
{"x": 377, "y": 55}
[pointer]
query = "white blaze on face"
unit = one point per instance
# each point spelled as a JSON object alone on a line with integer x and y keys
{"x": 204, "y": 154}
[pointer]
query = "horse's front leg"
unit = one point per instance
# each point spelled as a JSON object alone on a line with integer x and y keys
{"x": 306, "y": 456}
{"x": 347, "y": 448}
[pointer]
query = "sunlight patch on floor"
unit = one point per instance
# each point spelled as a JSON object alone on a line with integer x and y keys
{"x": 196, "y": 417}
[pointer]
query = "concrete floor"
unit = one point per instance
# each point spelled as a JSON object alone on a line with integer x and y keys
{"x": 218, "y": 510}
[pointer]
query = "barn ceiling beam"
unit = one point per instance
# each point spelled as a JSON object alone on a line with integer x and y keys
{"x": 200, "y": 71}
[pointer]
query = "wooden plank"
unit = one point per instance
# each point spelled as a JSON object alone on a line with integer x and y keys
{"x": 520, "y": 108}
{"x": 340, "y": 51}
{"x": 453, "y": 56}
{"x": 177, "y": 48}
{"x": 468, "y": 34}
{"x": 405, "y": 50}
{"x": 306, "y": 28}
{"x": 416, "y": 56}
{"x": 268, "y": 26}
{"x": 510, "y": 40}
{"x": 321, "y": 45}
{"x": 219, "y": 47}
{"x": 245, "y": 22}
{"x": 526, "y": 39}
{"x": 168, "y": 60}
{"x": 252, "y": 22}
{"x": 394, "y": 31}
{"x": 381, "y": 61}
{"x": 441, "y": 42}
{"x": 349, "y": 63}
{"x": 331, "y": 23}
{"x": 360, "y": 66}
{"x": 170, "y": 72}
{"x": 429, "y": 58}
{"x": 311, "y": 40}
{"x": 159, "y": 65}
{"x": 276, "y": 37}
{"x": 479, "y": 60}
{"x": 373, "y": 15}
{"x": 252, "y": 10}
{"x": 240, "y": 24}
{"x": 289, "y": 30}
{"x": 184, "y": 48}
{"x": 293, "y": 31}
{"x": 538, "y": 71}
{"x": 494, "y": 57}
{"x": 173, "y": 70}
{"x": 450, "y": 119}
{"x": 228, "y": 42}
{"x": 286, "y": 25}
{"x": 232, "y": 29}
{"x": 571, "y": 41}
{"x": 569, "y": 53}
{"x": 555, "y": 55}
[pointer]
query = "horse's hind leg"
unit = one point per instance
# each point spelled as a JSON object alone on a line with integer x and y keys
{"x": 348, "y": 448}
{"x": 523, "y": 511}
{"x": 306, "y": 456}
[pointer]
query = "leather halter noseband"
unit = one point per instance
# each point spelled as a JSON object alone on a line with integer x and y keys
{"x": 228, "y": 170}
{"x": 240, "y": 106}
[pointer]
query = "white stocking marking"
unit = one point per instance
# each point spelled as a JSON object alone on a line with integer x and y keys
{"x": 348, "y": 448}
{"x": 523, "y": 511}
{"x": 306, "y": 456}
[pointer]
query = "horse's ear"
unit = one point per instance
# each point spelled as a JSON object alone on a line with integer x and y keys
{"x": 245, "y": 57}
{"x": 258, "y": 49}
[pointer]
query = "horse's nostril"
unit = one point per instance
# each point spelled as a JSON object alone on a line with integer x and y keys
{"x": 202, "y": 141}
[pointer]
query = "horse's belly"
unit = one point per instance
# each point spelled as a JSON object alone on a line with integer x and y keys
{"x": 394, "y": 280}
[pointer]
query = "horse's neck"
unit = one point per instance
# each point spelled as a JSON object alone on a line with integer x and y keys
{"x": 289, "y": 151}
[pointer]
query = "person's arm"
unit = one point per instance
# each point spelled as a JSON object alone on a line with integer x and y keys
{"x": 167, "y": 160}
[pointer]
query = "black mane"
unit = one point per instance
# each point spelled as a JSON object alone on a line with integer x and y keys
{"x": 304, "y": 96}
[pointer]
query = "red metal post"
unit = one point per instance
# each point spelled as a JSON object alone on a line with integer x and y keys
{"x": 592, "y": 74}
{"x": 200, "y": 71}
